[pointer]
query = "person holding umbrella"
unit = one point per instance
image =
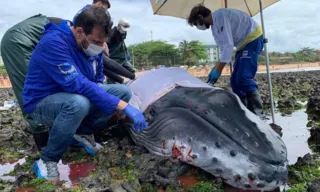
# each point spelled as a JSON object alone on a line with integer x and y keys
{"x": 234, "y": 28}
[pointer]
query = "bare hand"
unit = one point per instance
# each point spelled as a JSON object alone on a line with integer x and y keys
{"x": 106, "y": 49}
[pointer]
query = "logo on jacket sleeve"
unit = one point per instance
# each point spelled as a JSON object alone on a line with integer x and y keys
{"x": 68, "y": 70}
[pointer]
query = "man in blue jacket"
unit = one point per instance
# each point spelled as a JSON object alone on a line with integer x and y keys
{"x": 64, "y": 87}
{"x": 97, "y": 3}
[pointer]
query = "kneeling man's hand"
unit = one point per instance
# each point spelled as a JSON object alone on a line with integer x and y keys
{"x": 137, "y": 117}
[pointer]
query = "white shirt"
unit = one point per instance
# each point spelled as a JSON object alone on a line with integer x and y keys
{"x": 230, "y": 28}
{"x": 94, "y": 65}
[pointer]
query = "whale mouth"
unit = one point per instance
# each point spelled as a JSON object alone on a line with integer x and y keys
{"x": 225, "y": 116}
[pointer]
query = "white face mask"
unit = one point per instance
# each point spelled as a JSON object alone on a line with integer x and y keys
{"x": 202, "y": 27}
{"x": 92, "y": 50}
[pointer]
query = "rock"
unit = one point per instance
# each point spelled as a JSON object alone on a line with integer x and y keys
{"x": 314, "y": 135}
{"x": 116, "y": 187}
{"x": 132, "y": 187}
{"x": 305, "y": 160}
{"x": 288, "y": 103}
{"x": 276, "y": 128}
{"x": 314, "y": 186}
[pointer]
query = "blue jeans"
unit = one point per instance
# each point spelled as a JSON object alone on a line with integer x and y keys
{"x": 67, "y": 114}
{"x": 245, "y": 68}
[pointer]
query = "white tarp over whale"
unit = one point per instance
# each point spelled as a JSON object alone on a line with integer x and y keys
{"x": 159, "y": 82}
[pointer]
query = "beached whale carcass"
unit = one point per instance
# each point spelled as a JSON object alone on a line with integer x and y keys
{"x": 209, "y": 128}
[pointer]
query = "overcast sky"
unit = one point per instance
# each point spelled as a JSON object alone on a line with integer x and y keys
{"x": 290, "y": 24}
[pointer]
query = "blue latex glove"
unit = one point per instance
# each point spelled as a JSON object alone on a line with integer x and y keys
{"x": 136, "y": 116}
{"x": 213, "y": 76}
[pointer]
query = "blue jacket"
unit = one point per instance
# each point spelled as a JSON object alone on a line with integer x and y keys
{"x": 58, "y": 65}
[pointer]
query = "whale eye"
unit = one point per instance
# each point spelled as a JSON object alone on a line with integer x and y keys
{"x": 194, "y": 156}
{"x": 205, "y": 148}
{"x": 247, "y": 185}
{"x": 189, "y": 139}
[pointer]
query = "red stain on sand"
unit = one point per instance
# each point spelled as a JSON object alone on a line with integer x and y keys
{"x": 77, "y": 170}
{"x": 26, "y": 190}
{"x": 188, "y": 181}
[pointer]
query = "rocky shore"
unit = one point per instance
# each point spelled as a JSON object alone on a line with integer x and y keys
{"x": 122, "y": 166}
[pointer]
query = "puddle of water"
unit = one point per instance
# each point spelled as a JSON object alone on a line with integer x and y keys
{"x": 295, "y": 133}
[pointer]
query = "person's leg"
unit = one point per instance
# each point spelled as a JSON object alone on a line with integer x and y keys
{"x": 63, "y": 112}
{"x": 97, "y": 119}
{"x": 248, "y": 66}
{"x": 233, "y": 79}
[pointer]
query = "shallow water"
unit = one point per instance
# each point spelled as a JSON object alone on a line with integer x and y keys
{"x": 295, "y": 133}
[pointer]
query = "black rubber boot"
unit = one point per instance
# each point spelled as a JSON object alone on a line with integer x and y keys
{"x": 41, "y": 139}
{"x": 254, "y": 103}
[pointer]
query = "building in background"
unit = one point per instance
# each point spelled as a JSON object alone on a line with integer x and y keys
{"x": 214, "y": 54}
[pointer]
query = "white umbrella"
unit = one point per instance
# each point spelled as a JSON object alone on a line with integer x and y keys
{"x": 182, "y": 9}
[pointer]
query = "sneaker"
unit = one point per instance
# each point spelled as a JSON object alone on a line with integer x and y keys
{"x": 46, "y": 169}
{"x": 88, "y": 142}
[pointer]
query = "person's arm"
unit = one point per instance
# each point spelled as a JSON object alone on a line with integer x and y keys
{"x": 225, "y": 40}
{"x": 57, "y": 62}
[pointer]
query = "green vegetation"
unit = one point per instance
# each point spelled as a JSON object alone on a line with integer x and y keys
{"x": 299, "y": 175}
{"x": 3, "y": 70}
{"x": 6, "y": 155}
{"x": 127, "y": 173}
{"x": 298, "y": 188}
{"x": 40, "y": 185}
{"x": 205, "y": 187}
{"x": 153, "y": 53}
{"x": 305, "y": 54}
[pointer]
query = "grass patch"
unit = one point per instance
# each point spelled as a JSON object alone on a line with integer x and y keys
{"x": 9, "y": 156}
{"x": 125, "y": 173}
{"x": 40, "y": 185}
{"x": 3, "y": 70}
{"x": 205, "y": 187}
{"x": 301, "y": 175}
{"x": 298, "y": 188}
